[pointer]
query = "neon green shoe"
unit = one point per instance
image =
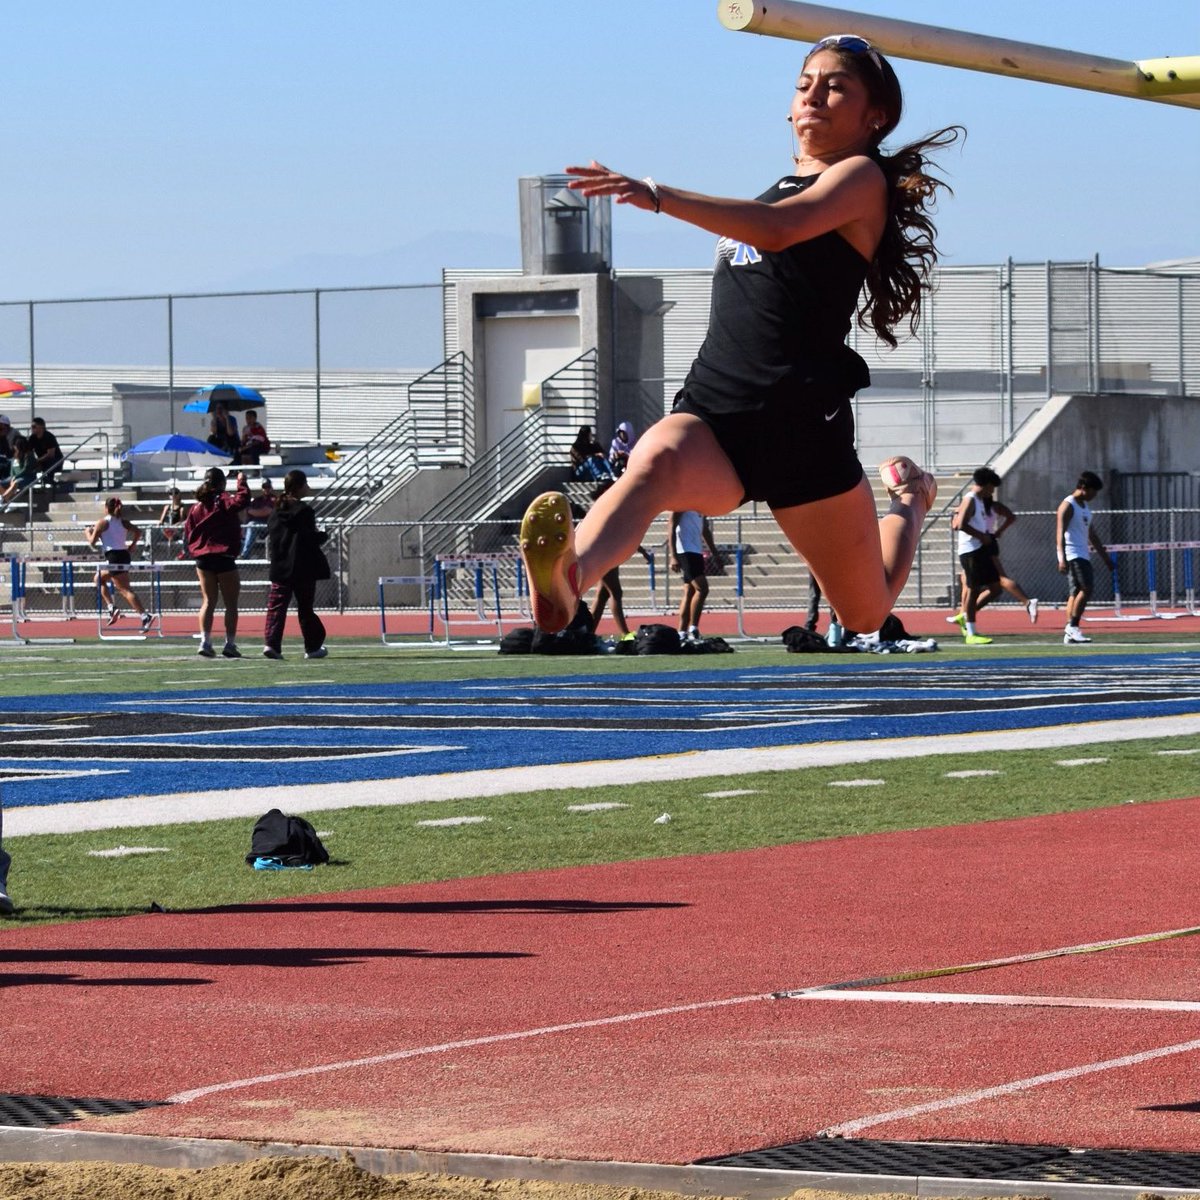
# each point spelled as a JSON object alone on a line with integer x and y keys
{"x": 977, "y": 639}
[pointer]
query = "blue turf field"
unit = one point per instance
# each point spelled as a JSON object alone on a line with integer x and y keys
{"x": 89, "y": 747}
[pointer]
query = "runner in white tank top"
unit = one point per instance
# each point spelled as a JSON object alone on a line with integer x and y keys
{"x": 118, "y": 537}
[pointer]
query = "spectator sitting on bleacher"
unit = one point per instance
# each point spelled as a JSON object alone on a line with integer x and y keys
{"x": 257, "y": 515}
{"x": 24, "y": 471}
{"x": 223, "y": 431}
{"x": 587, "y": 457}
{"x": 7, "y": 434}
{"x": 619, "y": 448}
{"x": 255, "y": 442}
{"x": 45, "y": 448}
{"x": 171, "y": 518}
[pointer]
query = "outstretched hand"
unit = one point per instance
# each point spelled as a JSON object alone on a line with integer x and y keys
{"x": 598, "y": 180}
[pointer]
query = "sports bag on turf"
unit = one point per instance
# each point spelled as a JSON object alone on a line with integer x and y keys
{"x": 291, "y": 840}
{"x": 656, "y": 639}
{"x": 799, "y": 640}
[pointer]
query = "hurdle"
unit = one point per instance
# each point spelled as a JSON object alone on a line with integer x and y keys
{"x": 18, "y": 566}
{"x": 1151, "y": 549}
{"x": 425, "y": 582}
{"x": 479, "y": 565}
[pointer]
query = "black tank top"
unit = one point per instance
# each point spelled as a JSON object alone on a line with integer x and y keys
{"x": 779, "y": 318}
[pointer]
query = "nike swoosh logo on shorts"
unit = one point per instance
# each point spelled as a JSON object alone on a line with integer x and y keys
{"x": 830, "y": 416}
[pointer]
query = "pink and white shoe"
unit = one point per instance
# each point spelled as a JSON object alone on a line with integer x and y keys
{"x": 548, "y": 551}
{"x": 902, "y": 477}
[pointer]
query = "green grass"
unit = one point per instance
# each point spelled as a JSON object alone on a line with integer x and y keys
{"x": 55, "y": 879}
{"x": 172, "y": 665}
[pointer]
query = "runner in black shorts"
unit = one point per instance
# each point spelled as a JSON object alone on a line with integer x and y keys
{"x": 765, "y": 411}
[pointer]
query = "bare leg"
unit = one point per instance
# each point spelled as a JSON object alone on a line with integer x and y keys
{"x": 121, "y": 583}
{"x": 1013, "y": 589}
{"x": 231, "y": 585}
{"x": 208, "y": 603}
{"x": 860, "y": 564}
{"x": 676, "y": 465}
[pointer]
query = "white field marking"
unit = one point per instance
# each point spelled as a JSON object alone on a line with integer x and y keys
{"x": 857, "y": 782}
{"x": 244, "y": 756}
{"x": 970, "y": 774}
{"x": 1078, "y": 762}
{"x": 594, "y": 807}
{"x": 465, "y": 1044}
{"x": 1197, "y": 751}
{"x": 455, "y": 821}
{"x": 125, "y": 851}
{"x": 852, "y": 1128}
{"x": 1018, "y": 1001}
{"x": 732, "y": 792}
{"x": 43, "y": 773}
{"x": 216, "y": 804}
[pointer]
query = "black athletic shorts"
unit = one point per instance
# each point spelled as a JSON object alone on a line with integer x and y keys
{"x": 1079, "y": 572}
{"x": 979, "y": 567}
{"x": 797, "y": 448}
{"x": 691, "y": 566}
{"x": 118, "y": 560}
{"x": 218, "y": 564}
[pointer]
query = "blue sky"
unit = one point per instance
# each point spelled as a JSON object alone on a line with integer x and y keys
{"x": 163, "y": 145}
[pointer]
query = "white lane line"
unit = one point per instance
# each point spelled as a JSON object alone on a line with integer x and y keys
{"x": 1018, "y": 1001}
{"x": 466, "y": 1044}
{"x": 963, "y": 1099}
{"x": 217, "y": 804}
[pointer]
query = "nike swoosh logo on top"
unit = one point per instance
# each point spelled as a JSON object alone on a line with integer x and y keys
{"x": 830, "y": 416}
{"x": 787, "y": 183}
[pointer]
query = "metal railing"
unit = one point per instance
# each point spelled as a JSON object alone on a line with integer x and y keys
{"x": 541, "y": 442}
{"x": 434, "y": 430}
{"x": 761, "y": 571}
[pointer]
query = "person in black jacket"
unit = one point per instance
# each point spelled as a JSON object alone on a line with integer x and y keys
{"x": 297, "y": 563}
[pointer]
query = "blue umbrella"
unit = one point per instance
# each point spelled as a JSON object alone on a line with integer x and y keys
{"x": 176, "y": 446}
{"x": 234, "y": 396}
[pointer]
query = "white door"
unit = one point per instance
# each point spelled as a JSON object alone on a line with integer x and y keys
{"x": 518, "y": 351}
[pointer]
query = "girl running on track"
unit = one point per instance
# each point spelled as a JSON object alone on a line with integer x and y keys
{"x": 118, "y": 537}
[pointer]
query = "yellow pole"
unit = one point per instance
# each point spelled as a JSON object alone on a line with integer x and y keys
{"x": 1167, "y": 80}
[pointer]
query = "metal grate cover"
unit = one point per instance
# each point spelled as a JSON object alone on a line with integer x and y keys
{"x": 40, "y": 1112}
{"x": 971, "y": 1160}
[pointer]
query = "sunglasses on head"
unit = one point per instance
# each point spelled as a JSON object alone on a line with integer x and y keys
{"x": 852, "y": 44}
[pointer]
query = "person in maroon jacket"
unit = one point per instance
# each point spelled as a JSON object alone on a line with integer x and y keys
{"x": 212, "y": 533}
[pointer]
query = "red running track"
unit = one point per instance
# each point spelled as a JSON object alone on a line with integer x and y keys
{"x": 161, "y": 1006}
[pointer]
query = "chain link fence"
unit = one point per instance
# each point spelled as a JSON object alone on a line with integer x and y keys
{"x": 481, "y": 576}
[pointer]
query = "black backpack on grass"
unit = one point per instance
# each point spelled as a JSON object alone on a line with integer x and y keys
{"x": 656, "y": 639}
{"x": 292, "y": 840}
{"x": 518, "y": 641}
{"x": 799, "y": 640}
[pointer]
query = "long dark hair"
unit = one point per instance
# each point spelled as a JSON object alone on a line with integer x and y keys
{"x": 213, "y": 484}
{"x": 293, "y": 484}
{"x": 900, "y": 270}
